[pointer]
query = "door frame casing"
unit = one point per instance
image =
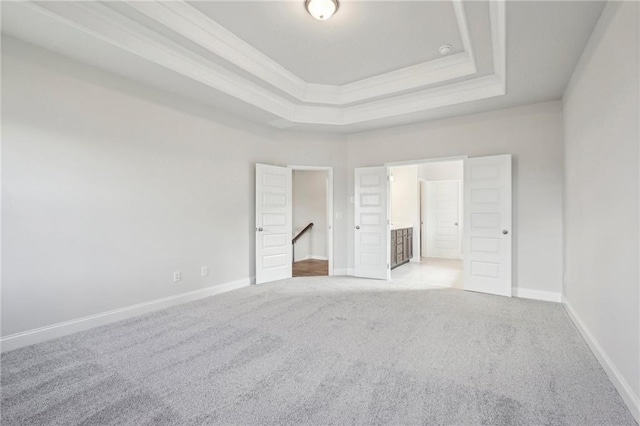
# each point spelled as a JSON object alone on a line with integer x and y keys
{"x": 466, "y": 231}
{"x": 427, "y": 160}
{"x": 422, "y": 161}
{"x": 329, "y": 212}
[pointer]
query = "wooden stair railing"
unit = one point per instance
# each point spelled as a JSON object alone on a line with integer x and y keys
{"x": 296, "y": 238}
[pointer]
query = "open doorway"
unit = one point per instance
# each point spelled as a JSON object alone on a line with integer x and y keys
{"x": 274, "y": 224}
{"x": 426, "y": 222}
{"x": 486, "y": 229}
{"x": 311, "y": 230}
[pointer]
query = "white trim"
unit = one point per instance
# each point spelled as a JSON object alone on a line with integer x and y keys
{"x": 425, "y": 74}
{"x": 463, "y": 158}
{"x": 341, "y": 271}
{"x": 189, "y": 22}
{"x": 427, "y": 160}
{"x": 465, "y": 91}
{"x": 108, "y": 25}
{"x": 463, "y": 27}
{"x": 311, "y": 168}
{"x": 547, "y": 296}
{"x": 498, "y": 19}
{"x": 312, "y": 257}
{"x": 186, "y": 20}
{"x": 330, "y": 213}
{"x": 624, "y": 389}
{"x": 101, "y": 22}
{"x": 37, "y": 335}
{"x": 319, "y": 258}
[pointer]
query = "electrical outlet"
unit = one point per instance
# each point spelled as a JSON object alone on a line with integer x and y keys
{"x": 177, "y": 276}
{"x": 204, "y": 271}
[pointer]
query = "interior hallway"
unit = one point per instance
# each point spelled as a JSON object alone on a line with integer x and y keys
{"x": 310, "y": 268}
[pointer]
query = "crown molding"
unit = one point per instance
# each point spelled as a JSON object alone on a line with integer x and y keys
{"x": 464, "y": 91}
{"x": 463, "y": 27}
{"x": 334, "y": 104}
{"x": 421, "y": 75}
{"x": 187, "y": 21}
{"x": 104, "y": 24}
{"x": 498, "y": 19}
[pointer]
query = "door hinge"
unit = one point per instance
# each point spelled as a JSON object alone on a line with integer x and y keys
{"x": 388, "y": 266}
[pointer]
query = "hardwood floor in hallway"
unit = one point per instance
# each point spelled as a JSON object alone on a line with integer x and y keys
{"x": 310, "y": 268}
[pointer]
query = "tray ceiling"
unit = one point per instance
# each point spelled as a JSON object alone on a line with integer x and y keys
{"x": 372, "y": 62}
{"x": 360, "y": 41}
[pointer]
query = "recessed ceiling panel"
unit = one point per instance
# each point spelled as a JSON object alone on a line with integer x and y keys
{"x": 173, "y": 47}
{"x": 361, "y": 40}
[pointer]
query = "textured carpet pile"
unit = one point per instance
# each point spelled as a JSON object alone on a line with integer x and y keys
{"x": 319, "y": 351}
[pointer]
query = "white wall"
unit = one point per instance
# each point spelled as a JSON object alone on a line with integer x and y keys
{"x": 106, "y": 192}
{"x": 441, "y": 170}
{"x": 310, "y": 206}
{"x": 405, "y": 202}
{"x": 602, "y": 195}
{"x": 534, "y": 135}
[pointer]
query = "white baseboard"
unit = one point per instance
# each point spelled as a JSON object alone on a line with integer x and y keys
{"x": 340, "y": 271}
{"x": 37, "y": 335}
{"x": 630, "y": 399}
{"x": 547, "y": 296}
{"x": 313, "y": 257}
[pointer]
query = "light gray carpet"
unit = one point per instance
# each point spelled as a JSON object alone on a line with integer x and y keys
{"x": 319, "y": 351}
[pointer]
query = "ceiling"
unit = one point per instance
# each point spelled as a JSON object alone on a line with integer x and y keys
{"x": 358, "y": 42}
{"x": 374, "y": 64}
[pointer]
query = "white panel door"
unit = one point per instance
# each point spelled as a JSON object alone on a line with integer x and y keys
{"x": 372, "y": 229}
{"x": 443, "y": 219}
{"x": 487, "y": 222}
{"x": 273, "y": 223}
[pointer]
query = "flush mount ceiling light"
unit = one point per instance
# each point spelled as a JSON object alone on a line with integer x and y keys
{"x": 321, "y": 9}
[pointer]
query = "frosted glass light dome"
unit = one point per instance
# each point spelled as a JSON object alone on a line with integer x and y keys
{"x": 322, "y": 9}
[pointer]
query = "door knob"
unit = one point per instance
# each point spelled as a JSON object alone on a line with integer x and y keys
{"x": 260, "y": 229}
{"x": 505, "y": 232}
{"x": 357, "y": 226}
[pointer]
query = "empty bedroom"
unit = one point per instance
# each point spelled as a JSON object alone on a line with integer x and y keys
{"x": 312, "y": 212}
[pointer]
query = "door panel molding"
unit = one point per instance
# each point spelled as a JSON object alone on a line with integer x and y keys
{"x": 273, "y": 223}
{"x": 488, "y": 225}
{"x": 371, "y": 225}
